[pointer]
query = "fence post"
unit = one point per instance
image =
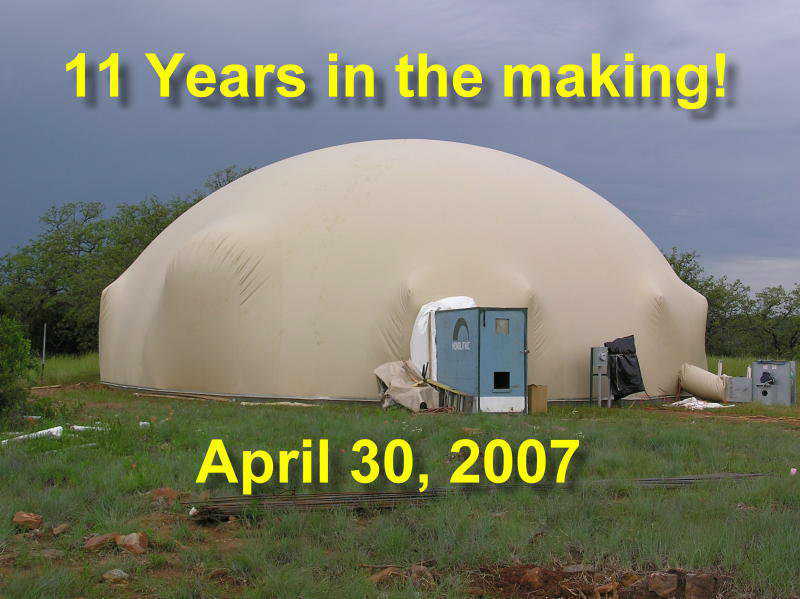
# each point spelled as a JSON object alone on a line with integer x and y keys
{"x": 44, "y": 351}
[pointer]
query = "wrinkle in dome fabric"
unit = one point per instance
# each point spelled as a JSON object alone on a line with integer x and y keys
{"x": 298, "y": 279}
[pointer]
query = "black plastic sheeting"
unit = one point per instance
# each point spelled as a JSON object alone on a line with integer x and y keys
{"x": 623, "y": 367}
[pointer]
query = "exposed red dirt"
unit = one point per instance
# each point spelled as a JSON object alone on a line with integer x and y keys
{"x": 531, "y": 581}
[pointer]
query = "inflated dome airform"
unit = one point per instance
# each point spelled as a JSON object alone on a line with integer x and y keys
{"x": 298, "y": 279}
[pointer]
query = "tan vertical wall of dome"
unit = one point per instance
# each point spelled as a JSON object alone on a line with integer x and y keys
{"x": 301, "y": 277}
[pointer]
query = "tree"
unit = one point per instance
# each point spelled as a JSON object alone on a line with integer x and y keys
{"x": 16, "y": 364}
{"x": 728, "y": 303}
{"x": 58, "y": 277}
{"x": 776, "y": 320}
{"x": 44, "y": 281}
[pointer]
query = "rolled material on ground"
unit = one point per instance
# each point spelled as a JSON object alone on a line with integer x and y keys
{"x": 702, "y": 383}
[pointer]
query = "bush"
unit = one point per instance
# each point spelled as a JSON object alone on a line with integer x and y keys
{"x": 16, "y": 364}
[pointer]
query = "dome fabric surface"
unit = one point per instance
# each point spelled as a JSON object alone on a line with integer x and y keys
{"x": 298, "y": 279}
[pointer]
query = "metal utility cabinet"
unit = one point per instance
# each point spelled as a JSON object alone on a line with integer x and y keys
{"x": 482, "y": 352}
{"x": 599, "y": 381}
{"x": 774, "y": 382}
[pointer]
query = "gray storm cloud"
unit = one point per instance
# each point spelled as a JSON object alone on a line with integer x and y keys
{"x": 723, "y": 183}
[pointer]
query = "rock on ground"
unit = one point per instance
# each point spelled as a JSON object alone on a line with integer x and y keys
{"x": 116, "y": 575}
{"x": 99, "y": 541}
{"x": 135, "y": 542}
{"x": 27, "y": 520}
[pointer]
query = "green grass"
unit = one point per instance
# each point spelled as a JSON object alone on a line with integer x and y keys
{"x": 733, "y": 366}
{"x": 746, "y": 530}
{"x": 64, "y": 370}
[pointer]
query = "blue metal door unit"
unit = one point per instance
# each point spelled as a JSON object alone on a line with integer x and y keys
{"x": 503, "y": 360}
{"x": 457, "y": 345}
{"x": 482, "y": 352}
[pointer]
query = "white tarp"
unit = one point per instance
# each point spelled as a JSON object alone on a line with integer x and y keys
{"x": 405, "y": 387}
{"x": 298, "y": 279}
{"x": 692, "y": 403}
{"x": 423, "y": 335}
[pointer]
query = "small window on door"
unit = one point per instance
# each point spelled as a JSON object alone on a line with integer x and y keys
{"x": 502, "y": 381}
{"x": 501, "y": 326}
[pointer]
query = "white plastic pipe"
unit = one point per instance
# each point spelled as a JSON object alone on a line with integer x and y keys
{"x": 56, "y": 432}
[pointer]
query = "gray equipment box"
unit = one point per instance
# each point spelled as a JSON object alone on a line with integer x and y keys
{"x": 599, "y": 382}
{"x": 774, "y": 382}
{"x": 738, "y": 389}
{"x": 600, "y": 360}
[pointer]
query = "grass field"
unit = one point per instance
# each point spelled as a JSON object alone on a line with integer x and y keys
{"x": 745, "y": 531}
{"x": 63, "y": 370}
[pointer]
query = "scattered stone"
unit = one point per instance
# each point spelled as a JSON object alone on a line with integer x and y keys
{"x": 577, "y": 569}
{"x": 61, "y": 529}
{"x": 99, "y": 541}
{"x": 135, "y": 542}
{"x": 116, "y": 575}
{"x": 52, "y": 553}
{"x": 385, "y": 575}
{"x": 530, "y": 580}
{"x": 27, "y": 520}
{"x": 701, "y": 586}
{"x": 663, "y": 584}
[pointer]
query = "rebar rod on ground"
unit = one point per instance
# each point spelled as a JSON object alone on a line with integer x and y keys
{"x": 237, "y": 504}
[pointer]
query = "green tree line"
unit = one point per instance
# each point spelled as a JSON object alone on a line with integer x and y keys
{"x": 742, "y": 322}
{"x": 58, "y": 276}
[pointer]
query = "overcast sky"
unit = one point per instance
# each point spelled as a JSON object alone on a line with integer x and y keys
{"x": 725, "y": 185}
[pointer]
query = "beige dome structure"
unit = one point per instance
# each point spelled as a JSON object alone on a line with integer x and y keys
{"x": 300, "y": 278}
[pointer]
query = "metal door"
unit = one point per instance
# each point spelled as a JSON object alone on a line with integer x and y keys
{"x": 457, "y": 349}
{"x": 503, "y": 360}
